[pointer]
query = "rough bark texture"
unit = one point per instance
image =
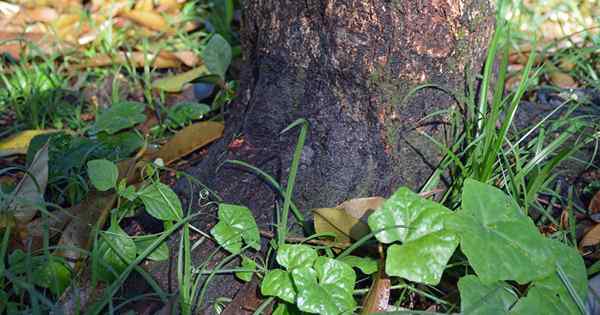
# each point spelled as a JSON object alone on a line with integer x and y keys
{"x": 345, "y": 66}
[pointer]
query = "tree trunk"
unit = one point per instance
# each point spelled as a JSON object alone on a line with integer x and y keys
{"x": 345, "y": 66}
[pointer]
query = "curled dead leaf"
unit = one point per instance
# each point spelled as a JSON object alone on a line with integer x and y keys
{"x": 562, "y": 80}
{"x": 149, "y": 19}
{"x": 378, "y": 298}
{"x": 595, "y": 203}
{"x": 348, "y": 221}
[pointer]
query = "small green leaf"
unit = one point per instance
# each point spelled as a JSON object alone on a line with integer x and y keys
{"x": 122, "y": 144}
{"x": 177, "y": 82}
{"x": 500, "y": 242}
{"x": 217, "y": 55}
{"x": 161, "y": 252}
{"x": 236, "y": 223}
{"x": 184, "y": 113}
{"x": 117, "y": 250}
{"x": 103, "y": 174}
{"x": 366, "y": 264}
{"x": 161, "y": 202}
{"x": 294, "y": 256}
{"x": 127, "y": 192}
{"x": 249, "y": 264}
{"x": 120, "y": 116}
{"x": 278, "y": 283}
{"x": 419, "y": 224}
{"x": 53, "y": 274}
{"x": 326, "y": 289}
{"x": 478, "y": 298}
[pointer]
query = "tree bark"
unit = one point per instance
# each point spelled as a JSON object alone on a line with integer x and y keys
{"x": 345, "y": 66}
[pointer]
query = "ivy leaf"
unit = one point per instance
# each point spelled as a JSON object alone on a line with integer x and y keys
{"x": 326, "y": 289}
{"x": 183, "y": 113}
{"x": 500, "y": 242}
{"x": 365, "y": 264}
{"x": 117, "y": 250}
{"x": 294, "y": 256}
{"x": 286, "y": 309}
{"x": 53, "y": 274}
{"x": 160, "y": 253}
{"x": 249, "y": 264}
{"x": 419, "y": 224}
{"x": 478, "y": 298}
{"x": 217, "y": 55}
{"x": 103, "y": 174}
{"x": 161, "y": 202}
{"x": 120, "y": 116}
{"x": 278, "y": 283}
{"x": 550, "y": 295}
{"x": 236, "y": 223}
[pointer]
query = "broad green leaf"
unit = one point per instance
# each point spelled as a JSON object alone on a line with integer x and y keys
{"x": 183, "y": 113}
{"x": 326, "y": 289}
{"x": 278, "y": 283}
{"x": 120, "y": 116}
{"x": 249, "y": 264}
{"x": 177, "y": 82}
{"x": 294, "y": 256}
{"x": 122, "y": 144}
{"x": 419, "y": 224}
{"x": 217, "y": 55}
{"x": 118, "y": 255}
{"x": 103, "y": 174}
{"x": 161, "y": 202}
{"x": 54, "y": 275}
{"x": 286, "y": 309}
{"x": 422, "y": 260}
{"x": 550, "y": 295}
{"x": 161, "y": 252}
{"x": 365, "y": 264}
{"x": 500, "y": 242}
{"x": 236, "y": 223}
{"x": 484, "y": 299}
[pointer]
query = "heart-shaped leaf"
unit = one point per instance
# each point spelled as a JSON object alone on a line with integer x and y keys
{"x": 248, "y": 264}
{"x": 295, "y": 256}
{"x": 279, "y": 283}
{"x": 161, "y": 202}
{"x": 160, "y": 253}
{"x": 478, "y": 298}
{"x": 116, "y": 250}
{"x": 419, "y": 224}
{"x": 103, "y": 174}
{"x": 365, "y": 264}
{"x": 120, "y": 116}
{"x": 236, "y": 223}
{"x": 217, "y": 55}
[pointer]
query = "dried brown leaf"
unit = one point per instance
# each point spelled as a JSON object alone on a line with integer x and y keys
{"x": 348, "y": 221}
{"x": 595, "y": 203}
{"x": 591, "y": 237}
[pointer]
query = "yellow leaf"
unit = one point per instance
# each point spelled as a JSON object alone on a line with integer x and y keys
{"x": 149, "y": 19}
{"x": 144, "y": 5}
{"x": 19, "y": 143}
{"x": 177, "y": 82}
{"x": 348, "y": 221}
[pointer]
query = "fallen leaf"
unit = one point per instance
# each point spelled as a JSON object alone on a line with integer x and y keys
{"x": 149, "y": 19}
{"x": 144, "y": 5}
{"x": 378, "y": 298}
{"x": 137, "y": 59}
{"x": 348, "y": 220}
{"x": 595, "y": 203}
{"x": 176, "y": 83}
{"x": 189, "y": 58}
{"x": 591, "y": 237}
{"x": 19, "y": 143}
{"x": 40, "y": 14}
{"x": 28, "y": 196}
{"x": 562, "y": 80}
{"x": 188, "y": 140}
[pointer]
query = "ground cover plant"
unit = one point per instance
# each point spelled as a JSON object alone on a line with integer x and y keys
{"x": 88, "y": 204}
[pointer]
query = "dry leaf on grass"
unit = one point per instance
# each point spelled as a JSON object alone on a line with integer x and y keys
{"x": 591, "y": 237}
{"x": 562, "y": 80}
{"x": 378, "y": 298}
{"x": 19, "y": 143}
{"x": 595, "y": 203}
{"x": 348, "y": 221}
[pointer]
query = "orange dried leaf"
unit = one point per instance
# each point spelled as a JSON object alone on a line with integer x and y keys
{"x": 144, "y": 5}
{"x": 189, "y": 58}
{"x": 136, "y": 58}
{"x": 591, "y": 237}
{"x": 348, "y": 221}
{"x": 41, "y": 14}
{"x": 149, "y": 19}
{"x": 379, "y": 295}
{"x": 562, "y": 80}
{"x": 595, "y": 203}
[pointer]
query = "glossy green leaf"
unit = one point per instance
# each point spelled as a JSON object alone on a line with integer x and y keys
{"x": 366, "y": 264}
{"x": 478, "y": 298}
{"x": 53, "y": 274}
{"x": 217, "y": 55}
{"x": 500, "y": 242}
{"x": 236, "y": 223}
{"x": 161, "y": 202}
{"x": 550, "y": 295}
{"x": 119, "y": 116}
{"x": 419, "y": 224}
{"x": 103, "y": 174}
{"x": 183, "y": 113}
{"x": 160, "y": 253}
{"x": 249, "y": 264}
{"x": 326, "y": 288}
{"x": 286, "y": 309}
{"x": 278, "y": 283}
{"x": 121, "y": 145}
{"x": 294, "y": 256}
{"x": 115, "y": 249}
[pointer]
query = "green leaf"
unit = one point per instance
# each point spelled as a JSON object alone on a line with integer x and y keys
{"x": 419, "y": 224}
{"x": 278, "y": 283}
{"x": 366, "y": 264}
{"x": 53, "y": 274}
{"x": 485, "y": 299}
{"x": 500, "y": 242}
{"x": 326, "y": 289}
{"x": 236, "y": 223}
{"x": 117, "y": 250}
{"x": 103, "y": 174}
{"x": 120, "y": 116}
{"x": 286, "y": 309}
{"x": 177, "y": 82}
{"x": 249, "y": 264}
{"x": 183, "y": 113}
{"x": 217, "y": 55}
{"x": 122, "y": 144}
{"x": 294, "y": 256}
{"x": 161, "y": 202}
{"x": 550, "y": 295}
{"x": 160, "y": 253}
